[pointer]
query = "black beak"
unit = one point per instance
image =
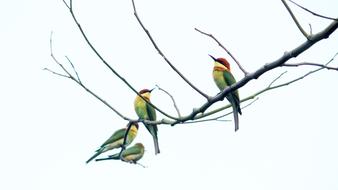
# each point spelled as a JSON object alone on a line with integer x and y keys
{"x": 212, "y": 57}
{"x": 151, "y": 90}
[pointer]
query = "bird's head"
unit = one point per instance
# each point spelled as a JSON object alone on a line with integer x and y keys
{"x": 221, "y": 61}
{"x": 146, "y": 93}
{"x": 139, "y": 145}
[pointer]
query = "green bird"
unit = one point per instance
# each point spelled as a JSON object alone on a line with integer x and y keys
{"x": 116, "y": 140}
{"x": 147, "y": 112}
{"x": 224, "y": 78}
{"x": 130, "y": 155}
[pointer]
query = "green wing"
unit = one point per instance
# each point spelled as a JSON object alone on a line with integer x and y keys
{"x": 152, "y": 117}
{"x": 132, "y": 150}
{"x": 116, "y": 136}
{"x": 151, "y": 112}
{"x": 230, "y": 80}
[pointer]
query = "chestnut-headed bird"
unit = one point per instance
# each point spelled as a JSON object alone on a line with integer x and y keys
{"x": 131, "y": 154}
{"x": 147, "y": 112}
{"x": 116, "y": 140}
{"x": 224, "y": 78}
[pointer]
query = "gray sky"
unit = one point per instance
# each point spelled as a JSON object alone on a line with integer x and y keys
{"x": 50, "y": 126}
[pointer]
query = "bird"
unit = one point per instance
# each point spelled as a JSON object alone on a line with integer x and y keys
{"x": 145, "y": 111}
{"x": 223, "y": 78}
{"x": 116, "y": 140}
{"x": 130, "y": 155}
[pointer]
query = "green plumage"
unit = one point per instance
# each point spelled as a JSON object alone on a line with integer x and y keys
{"x": 116, "y": 141}
{"x": 147, "y": 112}
{"x": 132, "y": 154}
{"x": 223, "y": 78}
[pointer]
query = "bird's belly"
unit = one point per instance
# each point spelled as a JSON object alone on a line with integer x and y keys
{"x": 116, "y": 144}
{"x": 133, "y": 157}
{"x": 140, "y": 109}
{"x": 219, "y": 79}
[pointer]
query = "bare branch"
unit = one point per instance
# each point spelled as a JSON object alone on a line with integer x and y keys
{"x": 268, "y": 88}
{"x": 219, "y": 117}
{"x": 66, "y": 4}
{"x": 172, "y": 98}
{"x": 295, "y": 20}
{"x": 55, "y": 73}
{"x": 310, "y": 64}
{"x": 277, "y": 78}
{"x": 106, "y": 63}
{"x": 267, "y": 67}
{"x": 164, "y": 57}
{"x": 231, "y": 112}
{"x": 219, "y": 43}
{"x": 316, "y": 14}
{"x": 77, "y": 75}
{"x": 70, "y": 76}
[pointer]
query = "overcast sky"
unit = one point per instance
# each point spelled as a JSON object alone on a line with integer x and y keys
{"x": 50, "y": 126}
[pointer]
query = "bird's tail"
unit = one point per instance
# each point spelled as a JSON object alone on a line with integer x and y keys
{"x": 111, "y": 157}
{"x": 157, "y": 148}
{"x": 235, "y": 110}
{"x": 94, "y": 156}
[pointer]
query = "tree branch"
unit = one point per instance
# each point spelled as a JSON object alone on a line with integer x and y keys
{"x": 164, "y": 57}
{"x": 219, "y": 43}
{"x": 310, "y": 64}
{"x": 315, "y": 14}
{"x": 267, "y": 67}
{"x": 295, "y": 20}
{"x": 106, "y": 63}
{"x": 172, "y": 99}
{"x": 77, "y": 80}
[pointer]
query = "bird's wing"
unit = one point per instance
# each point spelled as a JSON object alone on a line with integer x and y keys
{"x": 131, "y": 150}
{"x": 116, "y": 136}
{"x": 152, "y": 117}
{"x": 151, "y": 112}
{"x": 230, "y": 80}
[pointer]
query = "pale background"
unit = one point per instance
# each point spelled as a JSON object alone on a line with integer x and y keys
{"x": 50, "y": 126}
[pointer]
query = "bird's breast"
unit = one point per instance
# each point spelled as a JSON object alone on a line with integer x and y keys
{"x": 219, "y": 79}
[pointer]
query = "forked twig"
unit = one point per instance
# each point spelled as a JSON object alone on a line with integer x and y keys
{"x": 225, "y": 49}
{"x": 316, "y": 14}
{"x": 172, "y": 99}
{"x": 106, "y": 63}
{"x": 163, "y": 56}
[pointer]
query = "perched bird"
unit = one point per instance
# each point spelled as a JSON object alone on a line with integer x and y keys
{"x": 147, "y": 112}
{"x": 116, "y": 140}
{"x": 131, "y": 154}
{"x": 223, "y": 78}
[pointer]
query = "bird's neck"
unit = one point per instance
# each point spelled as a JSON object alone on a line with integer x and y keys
{"x": 220, "y": 67}
{"x": 146, "y": 97}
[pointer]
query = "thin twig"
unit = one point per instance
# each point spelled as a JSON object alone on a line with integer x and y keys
{"x": 218, "y": 118}
{"x": 70, "y": 76}
{"x": 316, "y": 14}
{"x": 225, "y": 49}
{"x": 77, "y": 75}
{"x": 325, "y": 33}
{"x": 295, "y": 20}
{"x": 66, "y": 4}
{"x": 163, "y": 56}
{"x": 56, "y": 73}
{"x": 274, "y": 80}
{"x": 310, "y": 64}
{"x": 172, "y": 98}
{"x": 106, "y": 63}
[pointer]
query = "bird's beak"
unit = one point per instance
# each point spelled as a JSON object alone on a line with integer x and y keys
{"x": 151, "y": 90}
{"x": 212, "y": 57}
